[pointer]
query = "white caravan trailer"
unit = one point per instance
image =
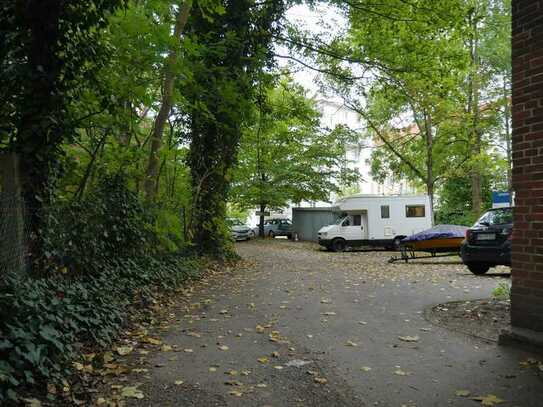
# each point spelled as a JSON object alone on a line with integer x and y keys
{"x": 376, "y": 220}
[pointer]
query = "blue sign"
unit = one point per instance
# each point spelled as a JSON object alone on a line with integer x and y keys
{"x": 501, "y": 199}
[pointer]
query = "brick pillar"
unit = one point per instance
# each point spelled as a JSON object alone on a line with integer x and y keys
{"x": 527, "y": 270}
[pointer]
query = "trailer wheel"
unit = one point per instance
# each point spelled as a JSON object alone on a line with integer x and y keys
{"x": 396, "y": 243}
{"x": 338, "y": 244}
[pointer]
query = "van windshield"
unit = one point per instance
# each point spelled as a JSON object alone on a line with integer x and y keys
{"x": 340, "y": 220}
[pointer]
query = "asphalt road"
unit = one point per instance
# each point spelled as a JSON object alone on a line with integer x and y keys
{"x": 295, "y": 326}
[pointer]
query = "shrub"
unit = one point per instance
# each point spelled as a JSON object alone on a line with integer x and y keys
{"x": 102, "y": 255}
{"x": 502, "y": 291}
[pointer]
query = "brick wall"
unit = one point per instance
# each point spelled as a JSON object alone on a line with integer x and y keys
{"x": 527, "y": 270}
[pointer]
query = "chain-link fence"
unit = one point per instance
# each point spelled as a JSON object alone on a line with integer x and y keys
{"x": 13, "y": 236}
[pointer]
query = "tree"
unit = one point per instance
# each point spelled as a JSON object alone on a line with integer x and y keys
{"x": 232, "y": 49}
{"x": 151, "y": 177}
{"x": 49, "y": 52}
{"x": 411, "y": 62}
{"x": 285, "y": 156}
{"x": 421, "y": 77}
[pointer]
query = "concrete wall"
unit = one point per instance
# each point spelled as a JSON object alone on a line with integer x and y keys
{"x": 527, "y": 270}
{"x": 306, "y": 222}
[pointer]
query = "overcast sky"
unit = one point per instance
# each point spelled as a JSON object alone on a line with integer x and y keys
{"x": 322, "y": 20}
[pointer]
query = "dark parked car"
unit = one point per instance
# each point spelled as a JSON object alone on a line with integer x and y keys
{"x": 488, "y": 242}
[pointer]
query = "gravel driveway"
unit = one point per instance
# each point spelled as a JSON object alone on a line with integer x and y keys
{"x": 296, "y": 326}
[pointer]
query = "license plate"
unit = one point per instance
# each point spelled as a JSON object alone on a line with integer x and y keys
{"x": 486, "y": 236}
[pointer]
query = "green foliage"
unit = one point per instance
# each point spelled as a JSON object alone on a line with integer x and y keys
{"x": 455, "y": 201}
{"x": 502, "y": 291}
{"x": 232, "y": 49}
{"x": 285, "y": 156}
{"x": 430, "y": 82}
{"x": 109, "y": 223}
{"x": 104, "y": 253}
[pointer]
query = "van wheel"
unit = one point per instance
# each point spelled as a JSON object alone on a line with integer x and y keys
{"x": 478, "y": 268}
{"x": 338, "y": 245}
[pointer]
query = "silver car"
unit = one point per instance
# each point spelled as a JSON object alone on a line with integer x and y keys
{"x": 238, "y": 230}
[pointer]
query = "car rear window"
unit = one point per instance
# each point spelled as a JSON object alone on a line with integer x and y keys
{"x": 497, "y": 217}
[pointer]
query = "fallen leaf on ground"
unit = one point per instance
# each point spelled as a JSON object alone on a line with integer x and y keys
{"x": 212, "y": 369}
{"x": 188, "y": 350}
{"x": 152, "y": 341}
{"x": 489, "y": 400}
{"x": 89, "y": 357}
{"x": 400, "y": 372}
{"x": 178, "y": 382}
{"x": 132, "y": 392}
{"x": 259, "y": 329}
{"x": 166, "y": 348}
{"x": 233, "y": 383}
{"x": 275, "y": 354}
{"x": 124, "y": 350}
{"x": 223, "y": 347}
{"x": 328, "y": 313}
{"x": 231, "y": 372}
{"x": 325, "y": 301}
{"x": 32, "y": 402}
{"x": 365, "y": 368}
{"x": 278, "y": 367}
{"x": 107, "y": 357}
{"x": 351, "y": 343}
{"x": 298, "y": 363}
{"x": 235, "y": 393}
{"x": 409, "y": 338}
{"x": 261, "y": 385}
{"x": 320, "y": 380}
{"x": 263, "y": 360}
{"x": 462, "y": 393}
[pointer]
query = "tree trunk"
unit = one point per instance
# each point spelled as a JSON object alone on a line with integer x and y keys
{"x": 150, "y": 185}
{"x": 39, "y": 131}
{"x": 429, "y": 162}
{"x": 475, "y": 135}
{"x": 261, "y": 224}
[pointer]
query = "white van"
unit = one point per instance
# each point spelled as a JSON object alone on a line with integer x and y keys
{"x": 376, "y": 220}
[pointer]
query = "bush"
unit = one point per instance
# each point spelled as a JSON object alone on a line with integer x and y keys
{"x": 102, "y": 255}
{"x": 502, "y": 291}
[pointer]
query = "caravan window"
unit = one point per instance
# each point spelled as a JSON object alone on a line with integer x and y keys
{"x": 357, "y": 220}
{"x": 385, "y": 211}
{"x": 415, "y": 211}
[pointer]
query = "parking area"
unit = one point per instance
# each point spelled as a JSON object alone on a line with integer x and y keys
{"x": 310, "y": 327}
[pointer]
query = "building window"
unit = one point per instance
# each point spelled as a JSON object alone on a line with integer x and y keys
{"x": 385, "y": 211}
{"x": 357, "y": 220}
{"x": 415, "y": 211}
